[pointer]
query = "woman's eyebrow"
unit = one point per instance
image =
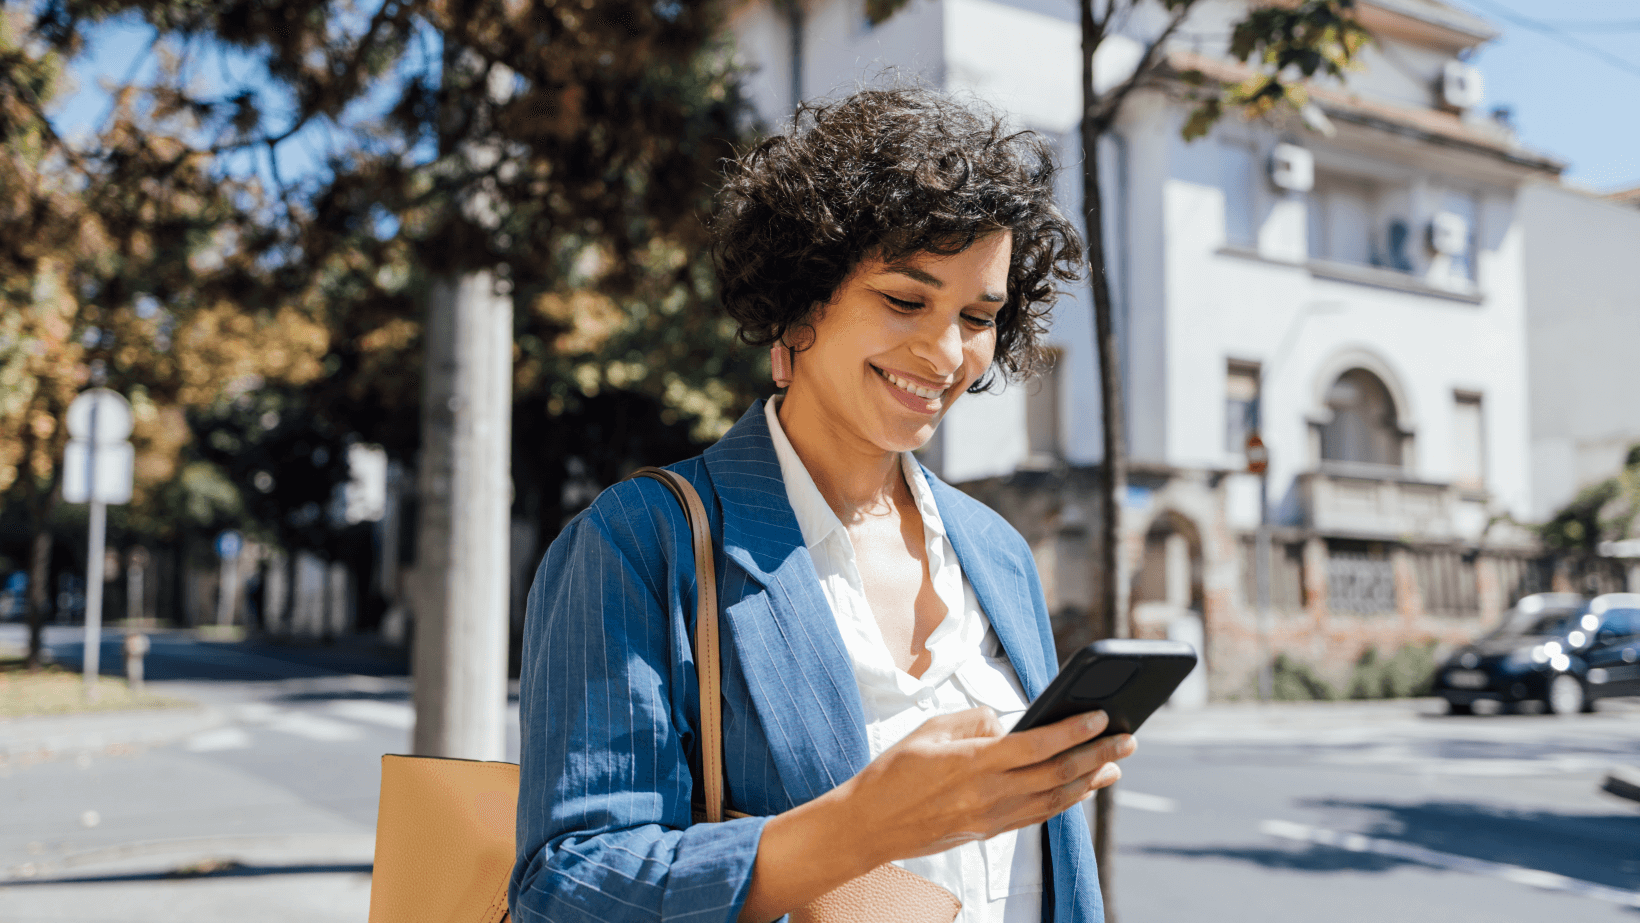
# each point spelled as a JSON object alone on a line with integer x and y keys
{"x": 912, "y": 272}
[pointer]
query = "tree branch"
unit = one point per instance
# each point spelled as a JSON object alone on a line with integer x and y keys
{"x": 1109, "y": 104}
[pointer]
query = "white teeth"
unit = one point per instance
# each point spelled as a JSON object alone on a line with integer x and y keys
{"x": 926, "y": 394}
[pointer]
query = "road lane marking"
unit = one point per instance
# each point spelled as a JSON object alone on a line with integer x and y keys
{"x": 387, "y": 714}
{"x": 228, "y": 738}
{"x": 1536, "y": 878}
{"x": 1139, "y": 801}
{"x": 314, "y": 727}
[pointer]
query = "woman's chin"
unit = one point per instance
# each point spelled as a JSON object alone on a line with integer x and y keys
{"x": 908, "y": 437}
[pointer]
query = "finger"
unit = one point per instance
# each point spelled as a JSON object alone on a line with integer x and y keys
{"x": 1080, "y": 762}
{"x": 1028, "y": 747}
{"x": 1061, "y": 798}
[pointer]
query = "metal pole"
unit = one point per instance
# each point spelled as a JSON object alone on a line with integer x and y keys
{"x": 1266, "y": 676}
{"x": 228, "y": 595}
{"x": 94, "y": 566}
{"x": 136, "y": 609}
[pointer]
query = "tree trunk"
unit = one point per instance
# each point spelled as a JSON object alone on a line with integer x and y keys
{"x": 465, "y": 494}
{"x": 39, "y": 575}
{"x": 1110, "y": 611}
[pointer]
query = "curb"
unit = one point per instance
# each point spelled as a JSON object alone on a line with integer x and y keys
{"x": 177, "y": 855}
{"x": 44, "y": 738}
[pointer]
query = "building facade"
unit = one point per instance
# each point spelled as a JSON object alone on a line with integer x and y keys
{"x": 1350, "y": 285}
{"x": 1583, "y": 336}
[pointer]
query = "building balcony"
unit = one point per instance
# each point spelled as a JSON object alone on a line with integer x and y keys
{"x": 1383, "y": 502}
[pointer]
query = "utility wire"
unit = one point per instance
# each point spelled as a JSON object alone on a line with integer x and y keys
{"x": 1595, "y": 25}
{"x": 1551, "y": 31}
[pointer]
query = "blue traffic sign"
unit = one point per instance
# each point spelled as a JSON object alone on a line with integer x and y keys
{"x": 228, "y": 544}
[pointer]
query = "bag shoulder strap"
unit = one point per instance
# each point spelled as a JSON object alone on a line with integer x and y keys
{"x": 708, "y": 659}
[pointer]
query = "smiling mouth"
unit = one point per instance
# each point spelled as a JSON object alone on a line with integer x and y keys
{"x": 927, "y": 394}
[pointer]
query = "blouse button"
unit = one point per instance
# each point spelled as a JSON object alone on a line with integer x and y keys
{"x": 925, "y": 699}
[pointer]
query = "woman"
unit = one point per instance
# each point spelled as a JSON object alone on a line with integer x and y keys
{"x": 880, "y": 629}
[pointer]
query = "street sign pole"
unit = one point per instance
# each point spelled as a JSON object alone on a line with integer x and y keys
{"x": 97, "y": 471}
{"x": 228, "y": 546}
{"x": 94, "y": 566}
{"x": 1258, "y": 462}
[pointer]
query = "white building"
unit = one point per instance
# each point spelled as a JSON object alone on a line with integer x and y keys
{"x": 1358, "y": 296}
{"x": 1583, "y": 338}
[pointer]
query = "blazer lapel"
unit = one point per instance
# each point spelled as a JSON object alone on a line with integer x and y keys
{"x": 1003, "y": 591}
{"x": 795, "y": 665}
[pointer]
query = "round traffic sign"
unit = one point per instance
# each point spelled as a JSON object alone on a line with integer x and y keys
{"x": 228, "y": 544}
{"x": 1258, "y": 457}
{"x": 105, "y": 409}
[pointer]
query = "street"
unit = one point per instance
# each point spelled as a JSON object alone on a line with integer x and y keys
{"x": 1345, "y": 812}
{"x": 261, "y": 804}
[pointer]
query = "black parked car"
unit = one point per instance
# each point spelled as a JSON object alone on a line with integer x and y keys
{"x": 1553, "y": 648}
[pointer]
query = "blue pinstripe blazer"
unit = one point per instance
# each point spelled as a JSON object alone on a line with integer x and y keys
{"x": 608, "y": 694}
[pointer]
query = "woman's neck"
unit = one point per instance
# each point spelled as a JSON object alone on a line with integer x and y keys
{"x": 856, "y": 478}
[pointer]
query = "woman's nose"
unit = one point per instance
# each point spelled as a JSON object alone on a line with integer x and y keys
{"x": 940, "y": 345}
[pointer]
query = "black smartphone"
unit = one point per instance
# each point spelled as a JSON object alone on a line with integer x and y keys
{"x": 1128, "y": 678}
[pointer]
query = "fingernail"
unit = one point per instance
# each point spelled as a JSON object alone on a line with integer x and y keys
{"x": 1095, "y": 721}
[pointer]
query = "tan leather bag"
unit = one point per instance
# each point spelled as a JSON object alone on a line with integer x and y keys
{"x": 445, "y": 829}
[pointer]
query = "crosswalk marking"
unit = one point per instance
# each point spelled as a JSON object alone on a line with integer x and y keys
{"x": 1142, "y": 802}
{"x": 228, "y": 738}
{"x": 313, "y": 727}
{"x": 387, "y": 714}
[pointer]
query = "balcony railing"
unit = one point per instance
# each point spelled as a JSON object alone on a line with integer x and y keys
{"x": 1376, "y": 501}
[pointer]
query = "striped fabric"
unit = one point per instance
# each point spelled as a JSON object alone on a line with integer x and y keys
{"x": 608, "y": 693}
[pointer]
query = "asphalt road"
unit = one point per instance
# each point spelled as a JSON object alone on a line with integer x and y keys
{"x": 1382, "y": 811}
{"x": 1286, "y": 813}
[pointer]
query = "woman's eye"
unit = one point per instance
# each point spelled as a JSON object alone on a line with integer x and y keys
{"x": 980, "y": 320}
{"x": 901, "y": 304}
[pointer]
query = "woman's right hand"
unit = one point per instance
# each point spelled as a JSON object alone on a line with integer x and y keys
{"x": 959, "y": 778}
{"x": 956, "y": 778}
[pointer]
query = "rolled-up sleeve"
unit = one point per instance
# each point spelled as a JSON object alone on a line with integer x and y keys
{"x": 607, "y": 707}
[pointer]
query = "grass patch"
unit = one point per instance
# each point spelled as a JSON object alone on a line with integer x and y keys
{"x": 53, "y": 690}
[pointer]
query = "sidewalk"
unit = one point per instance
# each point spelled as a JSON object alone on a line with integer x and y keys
{"x": 254, "y": 805}
{"x": 251, "y": 879}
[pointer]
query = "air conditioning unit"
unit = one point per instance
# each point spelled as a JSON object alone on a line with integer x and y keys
{"x": 1449, "y": 234}
{"x": 1461, "y": 86}
{"x": 1292, "y": 168}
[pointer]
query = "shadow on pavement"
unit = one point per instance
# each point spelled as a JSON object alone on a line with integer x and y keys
{"x": 181, "y": 656}
{"x": 1293, "y": 858}
{"x": 1603, "y": 849}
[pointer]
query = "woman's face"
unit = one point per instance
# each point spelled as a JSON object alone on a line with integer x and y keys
{"x": 899, "y": 343}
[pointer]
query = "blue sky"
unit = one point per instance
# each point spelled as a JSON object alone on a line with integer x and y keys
{"x": 1569, "y": 102}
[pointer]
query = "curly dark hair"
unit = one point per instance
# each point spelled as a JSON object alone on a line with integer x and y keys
{"x": 887, "y": 174}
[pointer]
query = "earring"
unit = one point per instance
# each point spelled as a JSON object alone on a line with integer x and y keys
{"x": 780, "y": 361}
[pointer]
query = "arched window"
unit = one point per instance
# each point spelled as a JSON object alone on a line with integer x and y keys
{"x": 1363, "y": 427}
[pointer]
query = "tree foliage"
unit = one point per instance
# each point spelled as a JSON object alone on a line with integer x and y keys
{"x": 570, "y": 146}
{"x": 1288, "y": 45}
{"x": 1602, "y": 512}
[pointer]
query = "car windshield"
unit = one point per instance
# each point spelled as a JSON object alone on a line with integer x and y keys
{"x": 1547, "y": 622}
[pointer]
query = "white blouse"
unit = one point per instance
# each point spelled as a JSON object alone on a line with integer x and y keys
{"x": 998, "y": 880}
